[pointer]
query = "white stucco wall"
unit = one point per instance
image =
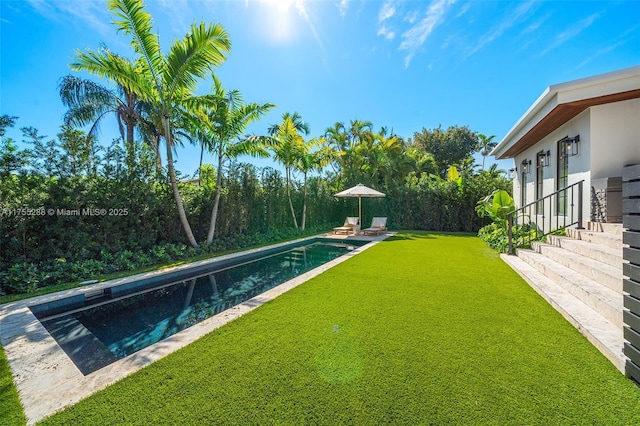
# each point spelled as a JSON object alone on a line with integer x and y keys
{"x": 615, "y": 131}
{"x": 578, "y": 165}
{"x": 609, "y": 140}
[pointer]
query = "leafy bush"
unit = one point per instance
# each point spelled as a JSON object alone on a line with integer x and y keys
{"x": 21, "y": 278}
{"x": 497, "y": 237}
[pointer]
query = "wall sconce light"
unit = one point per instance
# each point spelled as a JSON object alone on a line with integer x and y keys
{"x": 569, "y": 146}
{"x": 513, "y": 173}
{"x": 526, "y": 166}
{"x": 543, "y": 158}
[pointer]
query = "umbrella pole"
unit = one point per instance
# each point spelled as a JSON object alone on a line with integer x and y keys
{"x": 360, "y": 211}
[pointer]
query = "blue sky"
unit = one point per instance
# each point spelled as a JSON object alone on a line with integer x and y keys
{"x": 400, "y": 64}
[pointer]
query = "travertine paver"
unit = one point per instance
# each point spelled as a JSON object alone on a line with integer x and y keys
{"x": 47, "y": 380}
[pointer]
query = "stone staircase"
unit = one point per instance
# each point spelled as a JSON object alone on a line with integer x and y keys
{"x": 580, "y": 275}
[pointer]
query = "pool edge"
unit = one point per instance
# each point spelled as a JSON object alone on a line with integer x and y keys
{"x": 48, "y": 381}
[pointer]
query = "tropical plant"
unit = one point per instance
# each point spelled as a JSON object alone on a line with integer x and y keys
{"x": 288, "y": 148}
{"x": 88, "y": 103}
{"x": 167, "y": 82}
{"x": 485, "y": 146}
{"x": 220, "y": 129}
{"x": 314, "y": 155}
{"x": 496, "y": 206}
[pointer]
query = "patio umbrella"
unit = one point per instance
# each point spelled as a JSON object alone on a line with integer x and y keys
{"x": 359, "y": 191}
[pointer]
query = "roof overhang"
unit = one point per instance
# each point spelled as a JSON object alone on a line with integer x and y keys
{"x": 562, "y": 102}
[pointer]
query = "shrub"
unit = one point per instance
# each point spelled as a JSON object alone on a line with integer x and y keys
{"x": 21, "y": 278}
{"x": 496, "y": 236}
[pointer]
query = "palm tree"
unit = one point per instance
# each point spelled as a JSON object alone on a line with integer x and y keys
{"x": 88, "y": 103}
{"x": 314, "y": 155}
{"x": 336, "y": 138}
{"x": 485, "y": 146}
{"x": 288, "y": 147}
{"x": 165, "y": 81}
{"x": 220, "y": 128}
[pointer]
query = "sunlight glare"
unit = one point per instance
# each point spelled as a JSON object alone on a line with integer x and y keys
{"x": 279, "y": 18}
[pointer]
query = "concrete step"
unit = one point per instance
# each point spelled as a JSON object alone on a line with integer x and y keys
{"x": 603, "y": 334}
{"x": 595, "y": 270}
{"x": 601, "y": 299}
{"x": 604, "y": 254}
{"x": 602, "y": 238}
{"x": 609, "y": 228}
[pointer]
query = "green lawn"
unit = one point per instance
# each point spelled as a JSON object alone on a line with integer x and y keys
{"x": 420, "y": 329}
{"x": 10, "y": 409}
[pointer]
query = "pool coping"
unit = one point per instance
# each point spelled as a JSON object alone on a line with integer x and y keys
{"x": 48, "y": 381}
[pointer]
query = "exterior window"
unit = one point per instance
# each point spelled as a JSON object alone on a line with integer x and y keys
{"x": 563, "y": 179}
{"x": 539, "y": 181}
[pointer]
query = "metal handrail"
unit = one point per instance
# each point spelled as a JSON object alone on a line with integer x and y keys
{"x": 561, "y": 221}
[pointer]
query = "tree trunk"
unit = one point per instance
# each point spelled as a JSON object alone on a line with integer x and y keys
{"x": 174, "y": 185}
{"x": 293, "y": 213}
{"x": 156, "y": 149}
{"x": 200, "y": 164}
{"x": 216, "y": 203}
{"x": 304, "y": 202}
{"x": 130, "y": 147}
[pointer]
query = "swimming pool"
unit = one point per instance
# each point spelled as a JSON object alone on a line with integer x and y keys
{"x": 97, "y": 328}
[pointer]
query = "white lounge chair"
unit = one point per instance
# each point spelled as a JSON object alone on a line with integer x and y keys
{"x": 378, "y": 226}
{"x": 351, "y": 224}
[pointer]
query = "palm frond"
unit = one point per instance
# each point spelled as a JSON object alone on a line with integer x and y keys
{"x": 75, "y": 91}
{"x": 117, "y": 69}
{"x": 138, "y": 24}
{"x": 254, "y": 145}
{"x": 190, "y": 58}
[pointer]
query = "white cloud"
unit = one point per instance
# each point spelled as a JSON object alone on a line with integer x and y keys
{"x": 571, "y": 32}
{"x": 518, "y": 15}
{"x": 412, "y": 16}
{"x": 386, "y": 33}
{"x": 464, "y": 9}
{"x": 343, "y": 7}
{"x": 621, "y": 40}
{"x": 386, "y": 12}
{"x": 91, "y": 12}
{"x": 415, "y": 36}
{"x": 536, "y": 25}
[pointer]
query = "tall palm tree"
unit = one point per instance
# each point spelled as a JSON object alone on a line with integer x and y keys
{"x": 360, "y": 132}
{"x": 220, "y": 128}
{"x": 165, "y": 81}
{"x": 335, "y": 137}
{"x": 288, "y": 147}
{"x": 88, "y": 103}
{"x": 485, "y": 146}
{"x": 314, "y": 155}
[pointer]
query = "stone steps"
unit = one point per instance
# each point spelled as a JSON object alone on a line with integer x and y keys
{"x": 601, "y": 238}
{"x": 603, "y": 300}
{"x": 607, "y": 255}
{"x": 598, "y": 271}
{"x": 580, "y": 275}
{"x": 603, "y": 334}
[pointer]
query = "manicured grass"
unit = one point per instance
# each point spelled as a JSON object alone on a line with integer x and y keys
{"x": 420, "y": 329}
{"x": 10, "y": 409}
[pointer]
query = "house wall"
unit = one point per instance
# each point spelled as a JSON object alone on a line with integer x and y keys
{"x": 578, "y": 165}
{"x": 609, "y": 140}
{"x": 616, "y": 128}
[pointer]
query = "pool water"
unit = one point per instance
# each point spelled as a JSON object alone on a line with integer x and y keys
{"x": 96, "y": 336}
